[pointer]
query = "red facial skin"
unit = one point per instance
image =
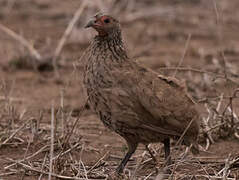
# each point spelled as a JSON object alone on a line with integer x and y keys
{"x": 99, "y": 25}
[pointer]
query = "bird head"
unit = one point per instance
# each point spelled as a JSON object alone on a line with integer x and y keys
{"x": 103, "y": 24}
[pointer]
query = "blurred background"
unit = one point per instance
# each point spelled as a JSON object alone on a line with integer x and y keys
{"x": 41, "y": 42}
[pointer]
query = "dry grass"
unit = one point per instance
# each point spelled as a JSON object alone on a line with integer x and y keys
{"x": 57, "y": 151}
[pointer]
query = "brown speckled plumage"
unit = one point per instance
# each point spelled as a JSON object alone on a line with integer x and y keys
{"x": 135, "y": 102}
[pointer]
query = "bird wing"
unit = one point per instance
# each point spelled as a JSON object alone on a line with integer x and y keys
{"x": 161, "y": 103}
{"x": 167, "y": 101}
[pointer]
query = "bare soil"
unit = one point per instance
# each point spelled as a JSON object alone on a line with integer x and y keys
{"x": 27, "y": 96}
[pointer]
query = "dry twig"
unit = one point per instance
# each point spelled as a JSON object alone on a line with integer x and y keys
{"x": 43, "y": 164}
{"x": 27, "y": 167}
{"x": 23, "y": 41}
{"x": 14, "y": 133}
{"x": 184, "y": 53}
{"x": 66, "y": 35}
{"x": 52, "y": 140}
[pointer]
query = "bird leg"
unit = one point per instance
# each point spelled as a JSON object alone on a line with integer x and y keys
{"x": 132, "y": 147}
{"x": 166, "y": 143}
{"x": 151, "y": 154}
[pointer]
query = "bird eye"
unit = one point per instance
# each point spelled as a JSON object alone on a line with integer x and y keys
{"x": 107, "y": 20}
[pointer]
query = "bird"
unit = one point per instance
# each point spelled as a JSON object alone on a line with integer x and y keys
{"x": 136, "y": 102}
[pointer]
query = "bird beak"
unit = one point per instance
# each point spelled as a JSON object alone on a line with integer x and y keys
{"x": 90, "y": 23}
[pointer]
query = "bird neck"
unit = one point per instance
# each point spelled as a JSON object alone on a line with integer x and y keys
{"x": 113, "y": 43}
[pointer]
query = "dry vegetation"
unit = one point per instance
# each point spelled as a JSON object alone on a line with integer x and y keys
{"x": 47, "y": 130}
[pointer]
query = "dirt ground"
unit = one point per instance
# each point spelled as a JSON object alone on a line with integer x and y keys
{"x": 200, "y": 36}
